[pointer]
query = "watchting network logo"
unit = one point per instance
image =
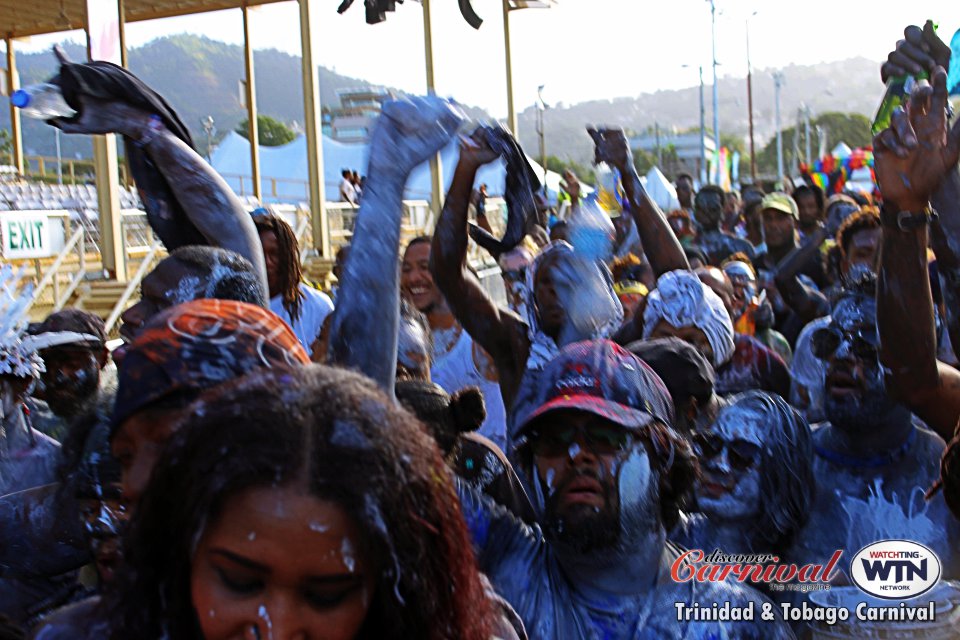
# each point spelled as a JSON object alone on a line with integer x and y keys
{"x": 895, "y": 569}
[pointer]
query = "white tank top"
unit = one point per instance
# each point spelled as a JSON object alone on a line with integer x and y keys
{"x": 454, "y": 368}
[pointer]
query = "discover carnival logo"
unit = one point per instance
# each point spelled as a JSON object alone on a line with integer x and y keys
{"x": 895, "y": 569}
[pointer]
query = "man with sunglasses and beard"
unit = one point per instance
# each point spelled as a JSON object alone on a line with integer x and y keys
{"x": 872, "y": 463}
{"x": 607, "y": 474}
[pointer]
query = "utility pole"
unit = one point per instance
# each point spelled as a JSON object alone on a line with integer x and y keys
{"x": 777, "y": 84}
{"x": 209, "y": 129}
{"x": 702, "y": 173}
{"x": 703, "y": 134}
{"x": 753, "y": 156}
{"x": 716, "y": 98}
{"x": 541, "y": 108}
{"x": 656, "y": 127}
{"x": 806, "y": 132}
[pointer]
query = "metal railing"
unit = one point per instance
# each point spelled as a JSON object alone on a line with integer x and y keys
{"x": 289, "y": 189}
{"x": 73, "y": 171}
{"x": 133, "y": 285}
{"x": 52, "y": 275}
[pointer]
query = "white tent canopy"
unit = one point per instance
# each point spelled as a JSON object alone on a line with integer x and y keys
{"x": 841, "y": 151}
{"x": 661, "y": 190}
{"x": 288, "y": 165}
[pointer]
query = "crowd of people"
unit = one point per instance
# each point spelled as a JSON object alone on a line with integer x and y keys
{"x": 758, "y": 373}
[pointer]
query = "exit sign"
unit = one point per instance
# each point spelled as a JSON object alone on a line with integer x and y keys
{"x": 27, "y": 234}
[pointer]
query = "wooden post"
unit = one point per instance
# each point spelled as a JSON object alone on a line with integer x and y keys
{"x": 436, "y": 167}
{"x": 313, "y": 128}
{"x": 13, "y": 83}
{"x": 253, "y": 130}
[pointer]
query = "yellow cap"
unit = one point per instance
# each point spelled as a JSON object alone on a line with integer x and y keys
{"x": 780, "y": 201}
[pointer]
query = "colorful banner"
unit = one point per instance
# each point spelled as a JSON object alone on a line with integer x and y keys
{"x": 831, "y": 173}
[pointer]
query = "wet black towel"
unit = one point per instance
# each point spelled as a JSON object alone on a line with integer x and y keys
{"x": 107, "y": 81}
{"x": 377, "y": 10}
{"x": 521, "y": 184}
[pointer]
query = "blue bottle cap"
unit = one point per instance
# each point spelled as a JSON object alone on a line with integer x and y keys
{"x": 20, "y": 98}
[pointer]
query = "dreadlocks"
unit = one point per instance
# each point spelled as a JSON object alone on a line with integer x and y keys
{"x": 288, "y": 261}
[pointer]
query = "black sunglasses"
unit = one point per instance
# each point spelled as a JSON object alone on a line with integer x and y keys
{"x": 600, "y": 439}
{"x": 826, "y": 341}
{"x": 741, "y": 453}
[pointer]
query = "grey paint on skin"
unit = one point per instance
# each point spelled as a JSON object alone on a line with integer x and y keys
{"x": 620, "y": 593}
{"x": 363, "y": 333}
{"x": 742, "y": 501}
{"x": 854, "y": 503}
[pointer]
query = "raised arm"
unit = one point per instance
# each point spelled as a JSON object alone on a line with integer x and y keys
{"x": 206, "y": 199}
{"x": 491, "y": 327}
{"x": 659, "y": 242}
{"x": 809, "y": 304}
{"x": 363, "y": 335}
{"x": 945, "y": 237}
{"x": 913, "y": 157}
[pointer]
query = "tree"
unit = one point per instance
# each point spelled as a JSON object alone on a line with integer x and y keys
{"x": 270, "y": 131}
{"x": 585, "y": 174}
{"x": 643, "y": 161}
{"x": 851, "y": 128}
{"x": 6, "y": 144}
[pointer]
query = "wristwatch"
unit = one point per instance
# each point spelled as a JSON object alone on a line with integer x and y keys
{"x": 907, "y": 220}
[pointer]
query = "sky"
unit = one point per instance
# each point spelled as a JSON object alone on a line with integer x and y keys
{"x": 579, "y": 49}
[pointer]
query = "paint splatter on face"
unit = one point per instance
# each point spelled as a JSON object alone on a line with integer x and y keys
{"x": 729, "y": 453}
{"x": 855, "y": 396}
{"x": 582, "y": 484}
{"x": 292, "y": 580}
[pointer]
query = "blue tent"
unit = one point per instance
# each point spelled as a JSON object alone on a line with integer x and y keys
{"x": 287, "y": 164}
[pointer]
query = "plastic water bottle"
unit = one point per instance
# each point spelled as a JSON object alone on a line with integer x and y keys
{"x": 42, "y": 101}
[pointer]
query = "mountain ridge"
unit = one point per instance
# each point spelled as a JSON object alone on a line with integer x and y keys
{"x": 200, "y": 77}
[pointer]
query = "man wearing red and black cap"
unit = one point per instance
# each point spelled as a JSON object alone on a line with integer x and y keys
{"x": 606, "y": 473}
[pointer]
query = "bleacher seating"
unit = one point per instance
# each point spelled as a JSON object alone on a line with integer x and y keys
{"x": 79, "y": 198}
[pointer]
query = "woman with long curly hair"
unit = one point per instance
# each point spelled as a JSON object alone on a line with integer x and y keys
{"x": 300, "y": 504}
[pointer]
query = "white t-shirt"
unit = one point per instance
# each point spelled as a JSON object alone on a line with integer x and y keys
{"x": 314, "y": 308}
{"x": 348, "y": 193}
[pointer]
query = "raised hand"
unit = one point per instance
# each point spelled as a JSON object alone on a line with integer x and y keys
{"x": 97, "y": 116}
{"x": 571, "y": 184}
{"x": 611, "y": 146}
{"x": 475, "y": 151}
{"x": 410, "y": 130}
{"x": 914, "y": 154}
{"x": 920, "y": 50}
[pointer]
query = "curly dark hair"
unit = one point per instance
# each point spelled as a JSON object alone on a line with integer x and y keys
{"x": 677, "y": 470}
{"x": 863, "y": 220}
{"x": 863, "y": 285}
{"x": 813, "y": 190}
{"x": 227, "y": 274}
{"x": 291, "y": 274}
{"x": 349, "y": 444}
{"x": 446, "y": 416}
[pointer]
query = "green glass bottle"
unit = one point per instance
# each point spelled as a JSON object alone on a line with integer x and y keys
{"x": 896, "y": 95}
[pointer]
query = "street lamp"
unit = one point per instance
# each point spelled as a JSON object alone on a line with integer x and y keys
{"x": 777, "y": 85}
{"x": 508, "y": 6}
{"x": 209, "y": 129}
{"x": 703, "y": 133}
{"x": 716, "y": 99}
{"x": 753, "y": 156}
{"x": 541, "y": 107}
